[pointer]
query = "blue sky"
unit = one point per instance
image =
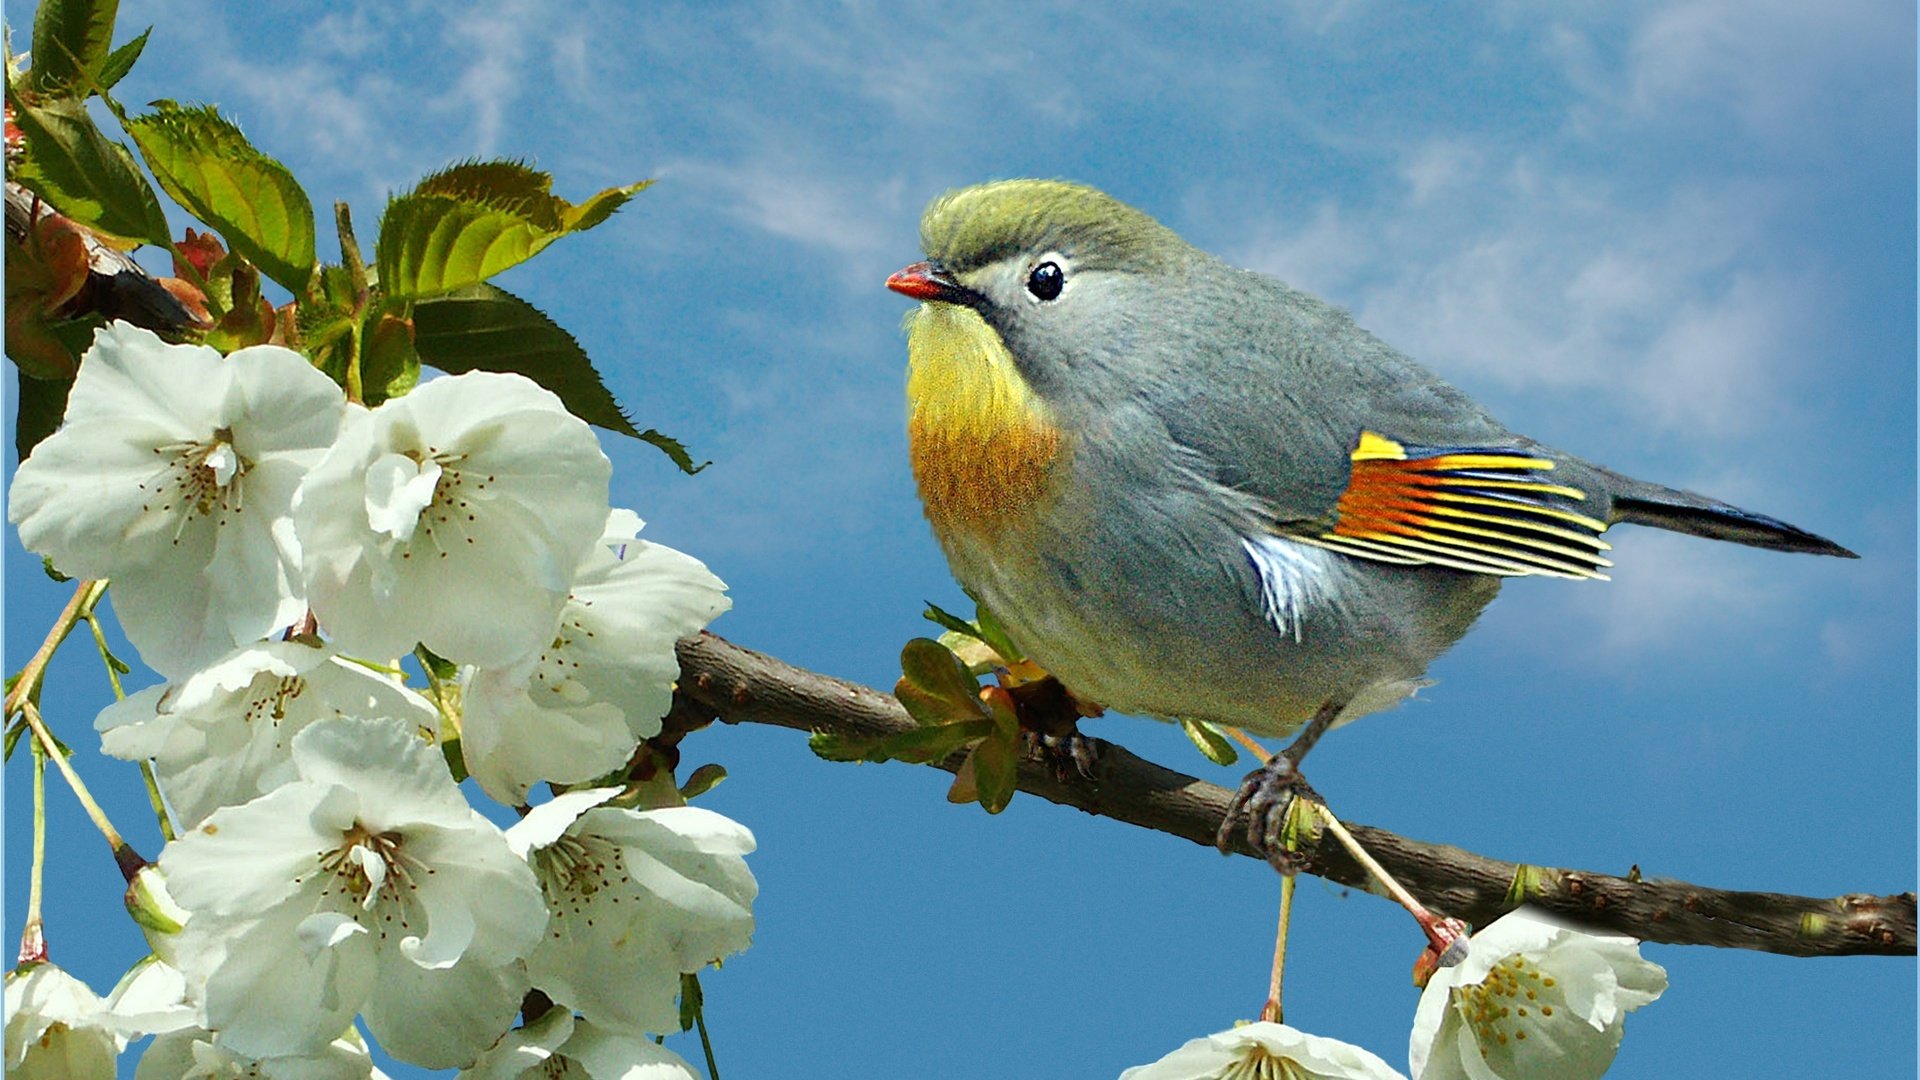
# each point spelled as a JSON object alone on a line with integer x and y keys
{"x": 1675, "y": 238}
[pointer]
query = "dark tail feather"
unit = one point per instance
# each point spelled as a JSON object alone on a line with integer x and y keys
{"x": 1683, "y": 511}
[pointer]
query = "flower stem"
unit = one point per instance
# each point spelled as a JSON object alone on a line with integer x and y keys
{"x": 123, "y": 853}
{"x": 27, "y": 686}
{"x": 33, "y": 940}
{"x": 1272, "y": 1010}
{"x": 706, "y": 1045}
{"x": 1448, "y": 944}
{"x": 159, "y": 804}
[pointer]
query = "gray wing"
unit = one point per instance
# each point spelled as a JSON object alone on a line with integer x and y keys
{"x": 1345, "y": 442}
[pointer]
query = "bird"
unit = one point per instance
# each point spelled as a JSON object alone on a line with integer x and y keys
{"x": 1191, "y": 491}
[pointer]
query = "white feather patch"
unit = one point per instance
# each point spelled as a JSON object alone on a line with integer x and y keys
{"x": 1294, "y": 578}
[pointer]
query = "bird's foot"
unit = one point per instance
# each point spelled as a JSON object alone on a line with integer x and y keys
{"x": 1266, "y": 796}
{"x": 1049, "y": 718}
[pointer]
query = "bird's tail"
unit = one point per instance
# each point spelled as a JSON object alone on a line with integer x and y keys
{"x": 1642, "y": 503}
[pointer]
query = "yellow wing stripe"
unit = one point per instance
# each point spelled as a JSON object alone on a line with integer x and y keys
{"x": 1467, "y": 508}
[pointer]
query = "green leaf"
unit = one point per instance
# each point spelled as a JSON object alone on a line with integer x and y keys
{"x": 85, "y": 175}
{"x": 13, "y": 738}
{"x": 42, "y": 403}
{"x": 702, "y": 780}
{"x": 467, "y": 223}
{"x": 120, "y": 61}
{"x": 389, "y": 365}
{"x": 935, "y": 687}
{"x": 941, "y": 617}
{"x": 919, "y": 746}
{"x": 71, "y": 42}
{"x": 1211, "y": 743}
{"x": 209, "y": 167}
{"x": 490, "y": 329}
{"x": 995, "y": 634}
{"x": 996, "y": 768}
{"x": 691, "y": 1000}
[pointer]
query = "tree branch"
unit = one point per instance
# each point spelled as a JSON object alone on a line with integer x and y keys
{"x": 722, "y": 680}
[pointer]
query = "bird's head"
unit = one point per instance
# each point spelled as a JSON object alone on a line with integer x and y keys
{"x": 1053, "y": 269}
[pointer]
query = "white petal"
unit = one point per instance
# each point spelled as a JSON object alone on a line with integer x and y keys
{"x": 545, "y": 823}
{"x": 524, "y": 1050}
{"x": 1312, "y": 1057}
{"x": 511, "y": 742}
{"x": 609, "y": 1056}
{"x": 521, "y": 498}
{"x": 398, "y": 489}
{"x": 445, "y": 1017}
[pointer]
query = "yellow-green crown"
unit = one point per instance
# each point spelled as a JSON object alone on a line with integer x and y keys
{"x": 973, "y": 226}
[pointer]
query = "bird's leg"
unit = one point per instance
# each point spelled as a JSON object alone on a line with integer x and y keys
{"x": 1049, "y": 718}
{"x": 1268, "y": 792}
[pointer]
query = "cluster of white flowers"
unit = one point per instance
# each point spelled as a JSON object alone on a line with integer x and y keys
{"x": 273, "y": 551}
{"x": 1533, "y": 998}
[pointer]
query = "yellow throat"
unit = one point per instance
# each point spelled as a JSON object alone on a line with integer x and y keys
{"x": 982, "y": 444}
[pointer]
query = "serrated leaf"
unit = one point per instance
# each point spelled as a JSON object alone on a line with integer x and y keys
{"x": 467, "y": 223}
{"x": 503, "y": 185}
{"x": 120, "y": 61}
{"x": 935, "y": 686}
{"x": 43, "y": 403}
{"x": 487, "y": 328}
{"x": 996, "y": 772}
{"x": 71, "y": 41}
{"x": 85, "y": 175}
{"x": 702, "y": 780}
{"x": 919, "y": 746}
{"x": 209, "y": 167}
{"x": 1211, "y": 743}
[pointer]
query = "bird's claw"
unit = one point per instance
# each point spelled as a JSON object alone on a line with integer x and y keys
{"x": 1065, "y": 754}
{"x": 1265, "y": 796}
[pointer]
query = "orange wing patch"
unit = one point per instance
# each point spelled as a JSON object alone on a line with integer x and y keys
{"x": 1481, "y": 510}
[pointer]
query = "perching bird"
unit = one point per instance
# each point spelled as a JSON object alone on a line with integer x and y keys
{"x": 1191, "y": 491}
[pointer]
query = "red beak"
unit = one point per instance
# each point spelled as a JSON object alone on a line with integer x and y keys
{"x": 924, "y": 281}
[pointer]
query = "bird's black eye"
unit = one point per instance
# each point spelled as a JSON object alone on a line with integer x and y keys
{"x": 1046, "y": 280}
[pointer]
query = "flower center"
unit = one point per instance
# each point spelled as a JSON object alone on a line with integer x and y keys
{"x": 366, "y": 865}
{"x": 423, "y": 494}
{"x": 1507, "y": 1002}
{"x": 1262, "y": 1064}
{"x": 197, "y": 478}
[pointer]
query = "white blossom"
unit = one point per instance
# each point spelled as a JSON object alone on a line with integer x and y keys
{"x": 174, "y": 474}
{"x": 575, "y": 709}
{"x": 454, "y": 516}
{"x": 150, "y": 998}
{"x": 638, "y": 897}
{"x": 225, "y": 734}
{"x": 1533, "y": 998}
{"x": 194, "y": 1054}
{"x": 560, "y": 1046}
{"x": 57, "y": 1028}
{"x": 367, "y": 884}
{"x": 1265, "y": 1049}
